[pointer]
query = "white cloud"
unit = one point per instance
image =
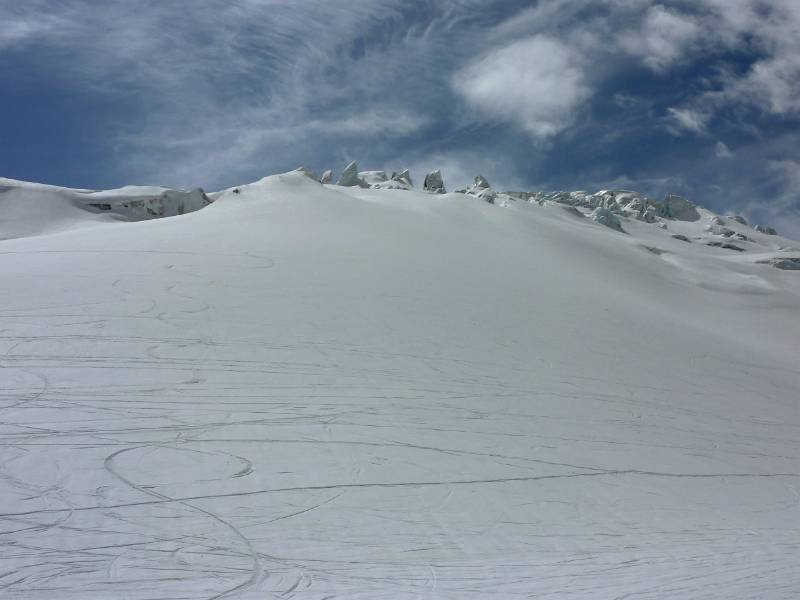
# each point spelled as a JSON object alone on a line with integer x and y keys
{"x": 15, "y": 31}
{"x": 537, "y": 83}
{"x": 772, "y": 83}
{"x": 236, "y": 144}
{"x": 664, "y": 38}
{"x": 788, "y": 171}
{"x": 666, "y": 34}
{"x": 629, "y": 102}
{"x": 685, "y": 119}
{"x": 235, "y": 89}
{"x": 25, "y": 22}
{"x": 721, "y": 150}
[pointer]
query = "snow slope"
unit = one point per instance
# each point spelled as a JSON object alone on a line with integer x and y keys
{"x": 307, "y": 391}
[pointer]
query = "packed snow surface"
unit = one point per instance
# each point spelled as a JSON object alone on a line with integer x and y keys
{"x": 318, "y": 392}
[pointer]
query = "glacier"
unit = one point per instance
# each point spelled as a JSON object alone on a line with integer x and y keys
{"x": 305, "y": 390}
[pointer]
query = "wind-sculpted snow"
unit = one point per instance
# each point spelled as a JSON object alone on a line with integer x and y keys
{"x": 308, "y": 391}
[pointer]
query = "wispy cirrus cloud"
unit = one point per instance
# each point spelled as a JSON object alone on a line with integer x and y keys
{"x": 550, "y": 94}
{"x": 223, "y": 85}
{"x": 664, "y": 38}
{"x": 721, "y": 150}
{"x": 680, "y": 120}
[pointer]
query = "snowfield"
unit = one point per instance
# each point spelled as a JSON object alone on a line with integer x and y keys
{"x": 316, "y": 392}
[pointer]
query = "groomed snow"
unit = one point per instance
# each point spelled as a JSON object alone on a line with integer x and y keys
{"x": 306, "y": 391}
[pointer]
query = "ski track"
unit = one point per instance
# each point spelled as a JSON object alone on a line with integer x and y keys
{"x": 159, "y": 441}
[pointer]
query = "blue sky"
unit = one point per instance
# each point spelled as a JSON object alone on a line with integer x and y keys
{"x": 700, "y": 97}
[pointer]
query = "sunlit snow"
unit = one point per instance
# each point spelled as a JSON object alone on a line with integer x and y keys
{"x": 311, "y": 391}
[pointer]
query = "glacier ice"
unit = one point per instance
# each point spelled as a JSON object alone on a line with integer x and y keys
{"x": 434, "y": 183}
{"x": 605, "y": 217}
{"x": 373, "y": 178}
{"x": 139, "y": 207}
{"x": 350, "y": 178}
{"x": 481, "y": 189}
{"x": 766, "y": 230}
{"x": 677, "y": 208}
{"x": 403, "y": 176}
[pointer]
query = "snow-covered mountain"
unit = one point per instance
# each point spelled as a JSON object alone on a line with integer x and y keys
{"x": 309, "y": 390}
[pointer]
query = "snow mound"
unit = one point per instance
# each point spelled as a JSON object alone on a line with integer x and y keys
{"x": 30, "y": 209}
{"x": 309, "y": 173}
